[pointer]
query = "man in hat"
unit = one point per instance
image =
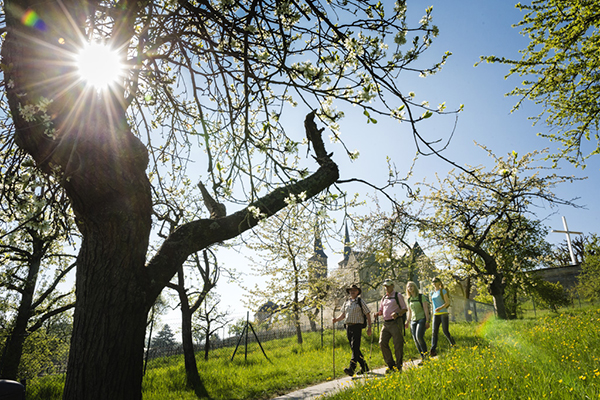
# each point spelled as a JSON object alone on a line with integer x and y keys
{"x": 392, "y": 308}
{"x": 357, "y": 315}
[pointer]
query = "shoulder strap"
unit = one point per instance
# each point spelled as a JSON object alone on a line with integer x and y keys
{"x": 398, "y": 301}
{"x": 360, "y": 303}
{"x": 395, "y": 297}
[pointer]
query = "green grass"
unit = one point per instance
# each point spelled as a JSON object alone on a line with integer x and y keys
{"x": 554, "y": 356}
{"x": 292, "y": 366}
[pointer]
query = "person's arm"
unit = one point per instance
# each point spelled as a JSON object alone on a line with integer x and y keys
{"x": 446, "y": 298}
{"x": 403, "y": 307}
{"x": 380, "y": 312}
{"x": 426, "y": 310}
{"x": 339, "y": 318}
{"x": 408, "y": 317}
{"x": 342, "y": 315}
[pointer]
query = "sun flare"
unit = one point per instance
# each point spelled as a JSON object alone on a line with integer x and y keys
{"x": 99, "y": 65}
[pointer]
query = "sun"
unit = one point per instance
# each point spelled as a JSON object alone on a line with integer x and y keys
{"x": 99, "y": 65}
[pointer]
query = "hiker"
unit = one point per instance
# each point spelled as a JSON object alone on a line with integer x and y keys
{"x": 418, "y": 317}
{"x": 392, "y": 309}
{"x": 441, "y": 302}
{"x": 357, "y": 315}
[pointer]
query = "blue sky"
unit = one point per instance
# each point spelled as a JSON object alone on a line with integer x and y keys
{"x": 469, "y": 29}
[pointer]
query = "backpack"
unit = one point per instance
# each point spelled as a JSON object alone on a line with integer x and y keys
{"x": 364, "y": 324}
{"x": 420, "y": 300}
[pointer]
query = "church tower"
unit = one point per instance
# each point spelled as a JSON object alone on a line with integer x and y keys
{"x": 347, "y": 248}
{"x": 318, "y": 262}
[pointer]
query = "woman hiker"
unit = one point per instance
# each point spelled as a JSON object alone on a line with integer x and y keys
{"x": 418, "y": 317}
{"x": 441, "y": 302}
{"x": 357, "y": 316}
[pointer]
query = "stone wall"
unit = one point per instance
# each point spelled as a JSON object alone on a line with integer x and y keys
{"x": 567, "y": 276}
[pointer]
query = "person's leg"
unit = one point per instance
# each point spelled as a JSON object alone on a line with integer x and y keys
{"x": 357, "y": 355}
{"x": 437, "y": 320}
{"x": 384, "y": 345}
{"x": 396, "y": 331}
{"x": 420, "y": 337}
{"x": 350, "y": 336}
{"x": 356, "y": 334}
{"x": 413, "y": 333}
{"x": 446, "y": 330}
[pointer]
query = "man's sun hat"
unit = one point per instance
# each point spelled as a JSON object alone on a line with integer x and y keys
{"x": 353, "y": 287}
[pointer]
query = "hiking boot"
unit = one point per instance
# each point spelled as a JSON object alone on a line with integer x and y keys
{"x": 391, "y": 370}
{"x": 350, "y": 370}
{"x": 433, "y": 353}
{"x": 364, "y": 369}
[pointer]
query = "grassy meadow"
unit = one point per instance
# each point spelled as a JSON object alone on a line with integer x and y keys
{"x": 290, "y": 366}
{"x": 553, "y": 356}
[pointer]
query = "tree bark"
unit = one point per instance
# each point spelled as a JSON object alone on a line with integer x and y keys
{"x": 496, "y": 289}
{"x": 189, "y": 357}
{"x": 107, "y": 346}
{"x": 191, "y": 368}
{"x": 207, "y": 339}
{"x": 296, "y": 307}
{"x": 13, "y": 349}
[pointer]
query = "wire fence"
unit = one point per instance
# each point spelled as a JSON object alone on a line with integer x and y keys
{"x": 44, "y": 361}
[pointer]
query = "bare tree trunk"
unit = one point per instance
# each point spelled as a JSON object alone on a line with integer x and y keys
{"x": 191, "y": 368}
{"x": 298, "y": 326}
{"x": 467, "y": 293}
{"x": 297, "y": 305}
{"x": 496, "y": 289}
{"x": 207, "y": 340}
{"x": 13, "y": 349}
{"x": 113, "y": 300}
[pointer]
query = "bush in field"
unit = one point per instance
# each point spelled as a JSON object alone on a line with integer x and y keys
{"x": 589, "y": 279}
{"x": 43, "y": 354}
{"x": 550, "y": 295}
